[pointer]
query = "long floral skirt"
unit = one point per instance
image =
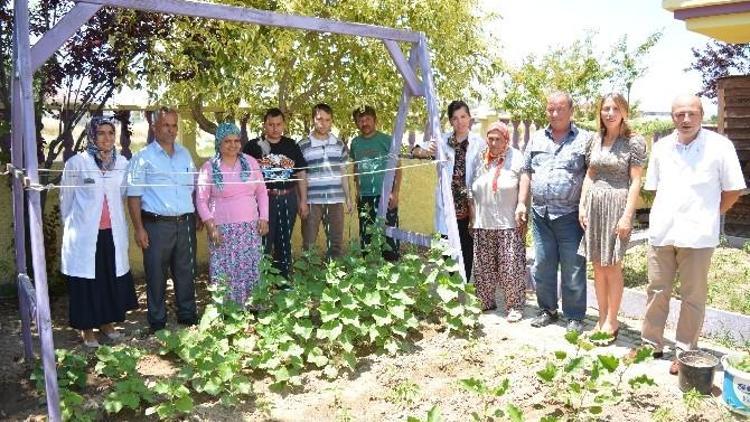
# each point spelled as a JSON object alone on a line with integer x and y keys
{"x": 235, "y": 261}
{"x": 500, "y": 261}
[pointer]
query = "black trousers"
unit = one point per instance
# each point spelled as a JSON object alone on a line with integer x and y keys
{"x": 282, "y": 213}
{"x": 367, "y": 210}
{"x": 171, "y": 251}
{"x": 467, "y": 245}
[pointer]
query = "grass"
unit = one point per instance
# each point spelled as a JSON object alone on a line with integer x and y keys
{"x": 728, "y": 277}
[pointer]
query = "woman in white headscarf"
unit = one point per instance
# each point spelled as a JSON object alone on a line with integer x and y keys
{"x": 95, "y": 235}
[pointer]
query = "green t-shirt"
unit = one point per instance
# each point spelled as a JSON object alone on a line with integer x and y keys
{"x": 374, "y": 150}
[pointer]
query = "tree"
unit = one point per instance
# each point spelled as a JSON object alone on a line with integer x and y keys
{"x": 627, "y": 64}
{"x": 716, "y": 60}
{"x": 83, "y": 74}
{"x": 575, "y": 69}
{"x": 245, "y": 69}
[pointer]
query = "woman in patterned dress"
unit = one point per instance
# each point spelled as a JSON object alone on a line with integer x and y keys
{"x": 232, "y": 201}
{"x": 499, "y": 251}
{"x": 608, "y": 201}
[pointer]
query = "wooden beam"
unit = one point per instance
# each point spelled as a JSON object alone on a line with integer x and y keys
{"x": 24, "y": 74}
{"x": 444, "y": 176}
{"x": 61, "y": 32}
{"x": 262, "y": 17}
{"x": 397, "y": 138}
{"x": 405, "y": 68}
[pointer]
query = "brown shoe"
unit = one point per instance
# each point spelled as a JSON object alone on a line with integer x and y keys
{"x": 674, "y": 367}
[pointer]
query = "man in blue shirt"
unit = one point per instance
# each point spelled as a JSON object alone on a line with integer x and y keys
{"x": 160, "y": 201}
{"x": 555, "y": 165}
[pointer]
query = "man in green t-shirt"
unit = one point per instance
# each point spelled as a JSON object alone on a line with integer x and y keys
{"x": 370, "y": 152}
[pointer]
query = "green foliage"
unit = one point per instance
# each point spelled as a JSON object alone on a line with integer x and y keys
{"x": 404, "y": 393}
{"x": 215, "y": 355}
{"x": 177, "y": 400}
{"x": 693, "y": 400}
{"x": 576, "y": 68}
{"x": 580, "y": 384}
{"x": 117, "y": 362}
{"x": 489, "y": 394}
{"x": 358, "y": 303}
{"x": 433, "y": 415}
{"x": 71, "y": 379}
{"x": 225, "y": 64}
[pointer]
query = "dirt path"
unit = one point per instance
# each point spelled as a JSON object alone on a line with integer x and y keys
{"x": 391, "y": 388}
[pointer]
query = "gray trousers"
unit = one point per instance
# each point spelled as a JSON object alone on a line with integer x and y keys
{"x": 172, "y": 248}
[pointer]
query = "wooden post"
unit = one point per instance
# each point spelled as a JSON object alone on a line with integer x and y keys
{"x": 22, "y": 65}
{"x": 444, "y": 177}
{"x": 398, "y": 134}
{"x": 19, "y": 232}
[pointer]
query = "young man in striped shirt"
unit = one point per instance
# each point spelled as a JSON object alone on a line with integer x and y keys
{"x": 327, "y": 187}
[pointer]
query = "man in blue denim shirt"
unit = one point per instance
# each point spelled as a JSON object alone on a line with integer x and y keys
{"x": 160, "y": 200}
{"x": 555, "y": 165}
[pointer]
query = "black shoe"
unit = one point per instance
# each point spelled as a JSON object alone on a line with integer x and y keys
{"x": 575, "y": 325}
{"x": 188, "y": 322}
{"x": 544, "y": 319}
{"x": 153, "y": 328}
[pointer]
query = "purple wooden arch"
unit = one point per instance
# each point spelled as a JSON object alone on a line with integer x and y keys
{"x": 34, "y": 299}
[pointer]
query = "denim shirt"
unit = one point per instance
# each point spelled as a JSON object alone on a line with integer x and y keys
{"x": 557, "y": 170}
{"x": 165, "y": 184}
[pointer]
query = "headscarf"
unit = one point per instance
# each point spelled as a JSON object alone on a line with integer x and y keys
{"x": 489, "y": 158}
{"x": 105, "y": 162}
{"x": 225, "y": 129}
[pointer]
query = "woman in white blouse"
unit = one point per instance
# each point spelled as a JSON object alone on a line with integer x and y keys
{"x": 95, "y": 235}
{"x": 499, "y": 251}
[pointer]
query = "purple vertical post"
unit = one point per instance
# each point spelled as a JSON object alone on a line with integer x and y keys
{"x": 444, "y": 177}
{"x": 16, "y": 157}
{"x": 22, "y": 63}
{"x": 396, "y": 140}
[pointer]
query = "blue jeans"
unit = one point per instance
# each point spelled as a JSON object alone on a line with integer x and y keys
{"x": 556, "y": 244}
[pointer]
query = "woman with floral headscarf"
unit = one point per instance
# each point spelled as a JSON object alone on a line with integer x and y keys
{"x": 232, "y": 201}
{"x": 95, "y": 235}
{"x": 499, "y": 251}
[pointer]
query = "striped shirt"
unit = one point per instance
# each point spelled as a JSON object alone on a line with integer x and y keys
{"x": 326, "y": 160}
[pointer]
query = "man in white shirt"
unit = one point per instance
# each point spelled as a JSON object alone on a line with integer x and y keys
{"x": 697, "y": 177}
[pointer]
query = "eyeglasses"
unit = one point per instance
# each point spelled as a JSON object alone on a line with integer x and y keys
{"x": 682, "y": 114}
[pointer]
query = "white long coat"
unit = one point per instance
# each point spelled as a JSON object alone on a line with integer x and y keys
{"x": 81, "y": 210}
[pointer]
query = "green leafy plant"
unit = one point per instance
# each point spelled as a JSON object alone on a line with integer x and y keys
{"x": 433, "y": 415}
{"x": 578, "y": 381}
{"x": 404, "y": 393}
{"x": 71, "y": 379}
{"x": 177, "y": 400}
{"x": 693, "y": 401}
{"x": 489, "y": 394}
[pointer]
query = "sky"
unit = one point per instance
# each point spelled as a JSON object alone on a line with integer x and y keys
{"x": 533, "y": 26}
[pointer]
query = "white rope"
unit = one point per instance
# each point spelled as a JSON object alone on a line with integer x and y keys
{"x": 50, "y": 186}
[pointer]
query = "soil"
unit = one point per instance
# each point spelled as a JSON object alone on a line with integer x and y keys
{"x": 383, "y": 388}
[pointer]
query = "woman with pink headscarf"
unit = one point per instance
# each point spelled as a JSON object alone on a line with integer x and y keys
{"x": 499, "y": 251}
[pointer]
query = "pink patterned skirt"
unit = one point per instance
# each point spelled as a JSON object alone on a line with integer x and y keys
{"x": 235, "y": 261}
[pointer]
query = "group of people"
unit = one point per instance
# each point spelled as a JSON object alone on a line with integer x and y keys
{"x": 581, "y": 190}
{"x": 578, "y": 190}
{"x": 247, "y": 198}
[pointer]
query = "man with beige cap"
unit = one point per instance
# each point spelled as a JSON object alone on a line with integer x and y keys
{"x": 697, "y": 177}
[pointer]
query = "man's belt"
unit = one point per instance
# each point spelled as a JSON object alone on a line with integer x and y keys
{"x": 149, "y": 216}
